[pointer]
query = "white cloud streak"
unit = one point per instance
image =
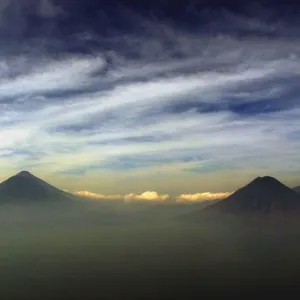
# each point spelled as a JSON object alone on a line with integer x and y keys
{"x": 71, "y": 73}
{"x": 131, "y": 101}
{"x": 90, "y": 195}
{"x": 201, "y": 197}
{"x": 146, "y": 196}
{"x": 152, "y": 196}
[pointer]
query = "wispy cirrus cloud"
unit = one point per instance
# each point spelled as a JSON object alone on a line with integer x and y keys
{"x": 48, "y": 76}
{"x": 204, "y": 103}
{"x": 44, "y": 8}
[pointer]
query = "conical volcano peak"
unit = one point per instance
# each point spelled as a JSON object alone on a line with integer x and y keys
{"x": 25, "y": 186}
{"x": 25, "y": 174}
{"x": 260, "y": 196}
{"x": 265, "y": 180}
{"x": 269, "y": 178}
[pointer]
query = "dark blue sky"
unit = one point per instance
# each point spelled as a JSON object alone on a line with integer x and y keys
{"x": 121, "y": 97}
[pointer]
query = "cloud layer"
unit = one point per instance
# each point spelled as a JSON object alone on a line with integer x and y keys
{"x": 199, "y": 197}
{"x": 146, "y": 196}
{"x": 154, "y": 197}
{"x": 90, "y": 195}
{"x": 165, "y": 99}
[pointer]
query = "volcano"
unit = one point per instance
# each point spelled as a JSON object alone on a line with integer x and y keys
{"x": 262, "y": 195}
{"x": 25, "y": 186}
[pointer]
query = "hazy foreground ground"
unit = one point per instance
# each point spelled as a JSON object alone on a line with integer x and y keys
{"x": 80, "y": 252}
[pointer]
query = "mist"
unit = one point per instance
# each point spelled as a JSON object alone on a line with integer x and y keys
{"x": 91, "y": 249}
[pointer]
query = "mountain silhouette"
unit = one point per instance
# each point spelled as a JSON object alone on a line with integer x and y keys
{"x": 25, "y": 186}
{"x": 262, "y": 195}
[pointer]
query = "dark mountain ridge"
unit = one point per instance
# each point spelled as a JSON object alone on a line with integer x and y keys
{"x": 263, "y": 194}
{"x": 25, "y": 186}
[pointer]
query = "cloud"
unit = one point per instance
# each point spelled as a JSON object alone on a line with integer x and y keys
{"x": 43, "y": 8}
{"x": 9, "y": 137}
{"x": 48, "y": 9}
{"x": 151, "y": 196}
{"x": 19, "y": 19}
{"x": 203, "y": 102}
{"x": 90, "y": 195}
{"x": 200, "y": 197}
{"x": 146, "y": 196}
{"x": 47, "y": 76}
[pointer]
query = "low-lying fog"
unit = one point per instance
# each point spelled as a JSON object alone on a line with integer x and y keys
{"x": 94, "y": 250}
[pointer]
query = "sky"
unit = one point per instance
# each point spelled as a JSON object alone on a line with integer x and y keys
{"x": 151, "y": 99}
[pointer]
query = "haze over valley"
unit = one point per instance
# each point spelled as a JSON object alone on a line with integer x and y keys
{"x": 56, "y": 245}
